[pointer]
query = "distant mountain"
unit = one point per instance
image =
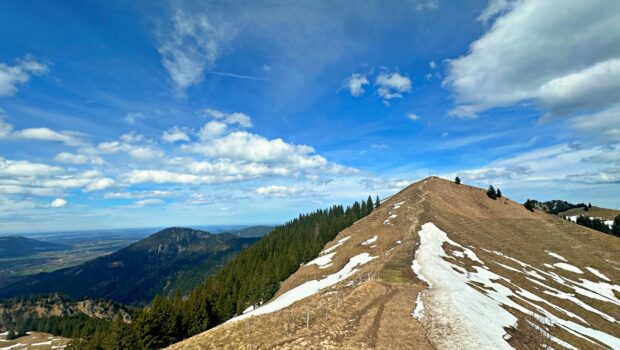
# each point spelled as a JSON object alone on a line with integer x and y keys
{"x": 556, "y": 206}
{"x": 253, "y": 231}
{"x": 174, "y": 259}
{"x": 16, "y": 246}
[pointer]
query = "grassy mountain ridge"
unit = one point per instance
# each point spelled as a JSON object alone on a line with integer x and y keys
{"x": 169, "y": 260}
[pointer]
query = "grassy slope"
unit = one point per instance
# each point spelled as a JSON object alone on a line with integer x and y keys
{"x": 373, "y": 309}
{"x": 605, "y": 213}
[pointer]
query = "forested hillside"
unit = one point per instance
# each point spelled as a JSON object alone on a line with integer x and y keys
{"x": 252, "y": 277}
{"x": 174, "y": 259}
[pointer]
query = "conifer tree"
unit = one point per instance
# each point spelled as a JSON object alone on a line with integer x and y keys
{"x": 457, "y": 180}
{"x": 529, "y": 205}
{"x": 377, "y": 202}
{"x": 369, "y": 205}
{"x": 491, "y": 192}
{"x": 498, "y": 193}
{"x": 615, "y": 228}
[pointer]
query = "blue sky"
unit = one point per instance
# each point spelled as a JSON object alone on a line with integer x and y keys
{"x": 117, "y": 114}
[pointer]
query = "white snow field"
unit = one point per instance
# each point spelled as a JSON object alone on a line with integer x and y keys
{"x": 476, "y": 316}
{"x": 308, "y": 288}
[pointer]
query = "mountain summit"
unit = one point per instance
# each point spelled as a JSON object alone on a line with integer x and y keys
{"x": 442, "y": 266}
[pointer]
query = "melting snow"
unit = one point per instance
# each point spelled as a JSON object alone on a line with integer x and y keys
{"x": 392, "y": 216}
{"x": 43, "y": 343}
{"x": 370, "y": 241}
{"x": 597, "y": 273}
{"x": 397, "y": 205}
{"x": 323, "y": 261}
{"x": 557, "y": 256}
{"x": 338, "y": 244}
{"x": 475, "y": 315}
{"x": 418, "y": 312}
{"x": 309, "y": 288}
{"x": 13, "y": 346}
{"x": 568, "y": 267}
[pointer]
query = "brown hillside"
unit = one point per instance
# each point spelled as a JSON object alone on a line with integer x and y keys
{"x": 605, "y": 213}
{"x": 373, "y": 308}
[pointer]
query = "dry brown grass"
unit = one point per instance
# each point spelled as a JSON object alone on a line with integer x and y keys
{"x": 41, "y": 339}
{"x": 605, "y": 213}
{"x": 375, "y": 310}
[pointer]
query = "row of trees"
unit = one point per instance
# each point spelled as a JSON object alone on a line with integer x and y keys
{"x": 600, "y": 225}
{"x": 252, "y": 277}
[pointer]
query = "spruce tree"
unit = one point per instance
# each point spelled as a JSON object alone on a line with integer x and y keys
{"x": 491, "y": 192}
{"x": 529, "y": 205}
{"x": 498, "y": 193}
{"x": 457, "y": 180}
{"x": 369, "y": 205}
{"x": 377, "y": 202}
{"x": 615, "y": 228}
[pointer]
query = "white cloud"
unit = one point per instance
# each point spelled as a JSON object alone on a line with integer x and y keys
{"x": 494, "y": 8}
{"x": 241, "y": 119}
{"x": 189, "y": 47}
{"x": 604, "y": 124}
{"x": 433, "y": 65}
{"x": 426, "y": 5}
{"x": 137, "y": 194}
{"x": 58, "y": 203}
{"x": 413, "y": 116}
{"x": 142, "y": 151}
{"x": 99, "y": 184}
{"x": 355, "y": 84}
{"x": 133, "y": 117}
{"x": 147, "y": 202}
{"x": 20, "y": 73}
{"x": 521, "y": 59}
{"x": 72, "y": 158}
{"x": 212, "y": 129}
{"x": 277, "y": 190}
{"x": 392, "y": 85}
{"x": 175, "y": 135}
{"x": 69, "y": 138}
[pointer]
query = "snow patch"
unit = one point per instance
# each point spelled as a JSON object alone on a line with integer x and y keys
{"x": 597, "y": 273}
{"x": 557, "y": 256}
{"x": 418, "y": 312}
{"x": 568, "y": 267}
{"x": 308, "y": 288}
{"x": 323, "y": 261}
{"x": 397, "y": 205}
{"x": 387, "y": 221}
{"x": 370, "y": 241}
{"x": 338, "y": 244}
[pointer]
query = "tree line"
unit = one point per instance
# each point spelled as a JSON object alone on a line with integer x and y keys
{"x": 250, "y": 278}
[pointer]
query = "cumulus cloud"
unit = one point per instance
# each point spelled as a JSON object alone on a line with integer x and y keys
{"x": 277, "y": 190}
{"x": 175, "y": 135}
{"x": 241, "y": 119}
{"x": 58, "y": 203}
{"x": 520, "y": 59}
{"x": 134, "y": 145}
{"x": 72, "y": 158}
{"x": 69, "y": 138}
{"x": 392, "y": 85}
{"x": 212, "y": 129}
{"x": 20, "y": 73}
{"x": 99, "y": 184}
{"x": 355, "y": 84}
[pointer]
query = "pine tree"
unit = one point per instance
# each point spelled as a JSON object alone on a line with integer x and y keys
{"x": 491, "y": 192}
{"x": 377, "y": 202}
{"x": 457, "y": 180}
{"x": 615, "y": 228}
{"x": 498, "y": 193}
{"x": 529, "y": 205}
{"x": 369, "y": 205}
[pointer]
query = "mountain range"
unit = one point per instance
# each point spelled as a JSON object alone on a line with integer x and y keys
{"x": 169, "y": 261}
